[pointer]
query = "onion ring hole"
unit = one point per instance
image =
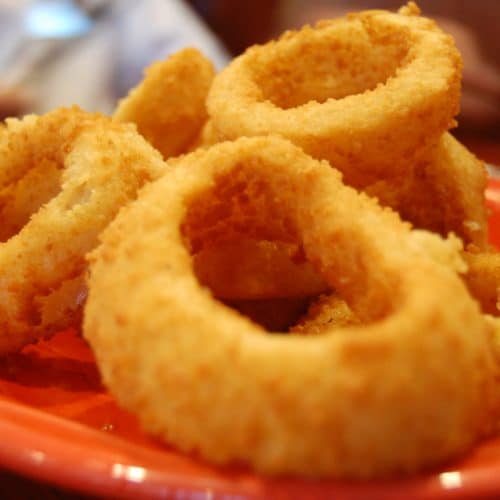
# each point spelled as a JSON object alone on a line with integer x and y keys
{"x": 237, "y": 230}
{"x": 351, "y": 61}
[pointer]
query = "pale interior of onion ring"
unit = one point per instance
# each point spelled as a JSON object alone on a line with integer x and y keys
{"x": 354, "y": 61}
{"x": 19, "y": 200}
{"x": 22, "y": 198}
{"x": 62, "y": 303}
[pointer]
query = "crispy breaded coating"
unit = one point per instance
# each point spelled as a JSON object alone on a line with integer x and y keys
{"x": 63, "y": 178}
{"x": 168, "y": 106}
{"x": 411, "y": 387}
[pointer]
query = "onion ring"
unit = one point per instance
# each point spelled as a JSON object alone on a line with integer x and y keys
{"x": 168, "y": 106}
{"x": 209, "y": 381}
{"x": 434, "y": 186}
{"x": 443, "y": 193}
{"x": 75, "y": 170}
{"x": 370, "y": 93}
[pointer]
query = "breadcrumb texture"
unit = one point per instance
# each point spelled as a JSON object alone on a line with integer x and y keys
{"x": 370, "y": 92}
{"x": 483, "y": 279}
{"x": 412, "y": 387}
{"x": 325, "y": 313}
{"x": 63, "y": 178}
{"x": 168, "y": 106}
{"x": 443, "y": 193}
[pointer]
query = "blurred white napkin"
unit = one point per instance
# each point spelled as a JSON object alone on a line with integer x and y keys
{"x": 95, "y": 71}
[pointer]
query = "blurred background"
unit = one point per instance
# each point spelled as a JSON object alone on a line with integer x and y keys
{"x": 90, "y": 52}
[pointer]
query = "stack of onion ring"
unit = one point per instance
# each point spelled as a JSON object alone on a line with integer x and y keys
{"x": 354, "y": 402}
{"x": 370, "y": 93}
{"x": 373, "y": 94}
{"x": 370, "y": 371}
{"x": 380, "y": 115}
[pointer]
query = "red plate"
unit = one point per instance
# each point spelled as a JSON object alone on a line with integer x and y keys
{"x": 493, "y": 203}
{"x": 58, "y": 424}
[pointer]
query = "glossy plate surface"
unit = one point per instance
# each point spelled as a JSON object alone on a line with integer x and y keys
{"x": 57, "y": 423}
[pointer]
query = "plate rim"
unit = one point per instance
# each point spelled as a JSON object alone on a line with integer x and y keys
{"x": 49, "y": 456}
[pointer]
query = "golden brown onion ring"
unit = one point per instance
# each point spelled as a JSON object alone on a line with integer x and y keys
{"x": 412, "y": 388}
{"x": 443, "y": 193}
{"x": 168, "y": 106}
{"x": 370, "y": 92}
{"x": 74, "y": 170}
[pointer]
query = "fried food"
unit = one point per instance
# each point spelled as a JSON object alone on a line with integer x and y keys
{"x": 483, "y": 279}
{"x": 370, "y": 93}
{"x": 249, "y": 307}
{"x": 207, "y": 137}
{"x": 377, "y": 107}
{"x": 63, "y": 177}
{"x": 327, "y": 312}
{"x": 444, "y": 193}
{"x": 411, "y": 387}
{"x": 168, "y": 106}
{"x": 352, "y": 106}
